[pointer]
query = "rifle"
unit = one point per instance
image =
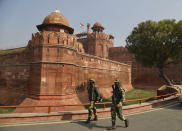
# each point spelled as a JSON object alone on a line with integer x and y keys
{"x": 113, "y": 97}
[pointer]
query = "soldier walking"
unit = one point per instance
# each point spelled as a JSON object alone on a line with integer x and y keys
{"x": 116, "y": 108}
{"x": 94, "y": 96}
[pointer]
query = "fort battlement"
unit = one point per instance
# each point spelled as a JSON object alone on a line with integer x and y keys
{"x": 55, "y": 38}
{"x": 100, "y": 35}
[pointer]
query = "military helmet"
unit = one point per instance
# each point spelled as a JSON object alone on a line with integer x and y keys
{"x": 91, "y": 80}
{"x": 117, "y": 81}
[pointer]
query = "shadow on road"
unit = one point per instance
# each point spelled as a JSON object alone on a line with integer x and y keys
{"x": 90, "y": 125}
{"x": 93, "y": 124}
{"x": 177, "y": 107}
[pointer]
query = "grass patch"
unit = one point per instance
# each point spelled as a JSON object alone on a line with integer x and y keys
{"x": 15, "y": 50}
{"x": 6, "y": 110}
{"x": 139, "y": 94}
{"x": 132, "y": 95}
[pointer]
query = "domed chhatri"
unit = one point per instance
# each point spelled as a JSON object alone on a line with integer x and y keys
{"x": 56, "y": 18}
{"x": 97, "y": 27}
{"x": 97, "y": 24}
{"x": 55, "y": 22}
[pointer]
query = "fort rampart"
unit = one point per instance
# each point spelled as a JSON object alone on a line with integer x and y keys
{"x": 54, "y": 66}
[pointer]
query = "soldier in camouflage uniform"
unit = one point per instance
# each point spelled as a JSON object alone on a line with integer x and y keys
{"x": 117, "y": 100}
{"x": 94, "y": 96}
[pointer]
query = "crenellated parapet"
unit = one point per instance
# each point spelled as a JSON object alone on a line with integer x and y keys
{"x": 55, "y": 38}
{"x": 101, "y": 36}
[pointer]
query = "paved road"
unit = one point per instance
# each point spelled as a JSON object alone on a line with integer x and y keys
{"x": 168, "y": 118}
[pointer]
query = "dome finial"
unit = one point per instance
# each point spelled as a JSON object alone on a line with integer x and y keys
{"x": 57, "y": 10}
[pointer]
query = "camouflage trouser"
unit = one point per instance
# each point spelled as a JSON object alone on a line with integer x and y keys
{"x": 91, "y": 109}
{"x": 117, "y": 110}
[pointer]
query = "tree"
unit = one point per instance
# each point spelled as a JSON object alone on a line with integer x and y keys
{"x": 157, "y": 44}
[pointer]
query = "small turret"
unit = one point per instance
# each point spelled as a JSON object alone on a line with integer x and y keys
{"x": 97, "y": 27}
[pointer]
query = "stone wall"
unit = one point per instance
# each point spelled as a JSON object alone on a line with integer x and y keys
{"x": 54, "y": 67}
{"x": 64, "y": 70}
{"x": 121, "y": 54}
{"x": 14, "y": 70}
{"x": 144, "y": 77}
{"x": 14, "y": 76}
{"x": 97, "y": 44}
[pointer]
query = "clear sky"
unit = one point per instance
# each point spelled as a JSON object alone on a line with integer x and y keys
{"x": 18, "y": 18}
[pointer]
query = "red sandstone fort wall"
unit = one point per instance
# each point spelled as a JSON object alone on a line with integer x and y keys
{"x": 55, "y": 67}
{"x": 78, "y": 68}
{"x": 66, "y": 68}
{"x": 97, "y": 43}
{"x": 14, "y": 71}
{"x": 14, "y": 75}
{"x": 120, "y": 54}
{"x": 144, "y": 77}
{"x": 88, "y": 45}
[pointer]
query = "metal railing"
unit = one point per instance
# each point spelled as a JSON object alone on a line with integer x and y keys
{"x": 86, "y": 104}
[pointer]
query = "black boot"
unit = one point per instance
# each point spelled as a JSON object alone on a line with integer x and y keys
{"x": 126, "y": 123}
{"x": 88, "y": 120}
{"x": 113, "y": 126}
{"x": 95, "y": 118}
